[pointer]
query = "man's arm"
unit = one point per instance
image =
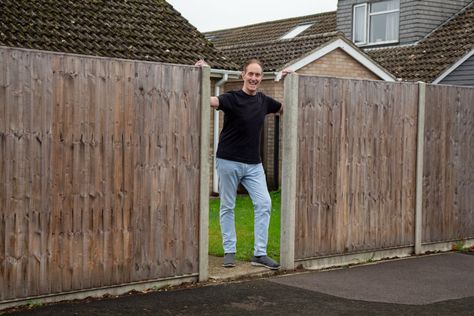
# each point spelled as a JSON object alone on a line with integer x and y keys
{"x": 214, "y": 102}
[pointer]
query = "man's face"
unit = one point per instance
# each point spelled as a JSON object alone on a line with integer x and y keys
{"x": 252, "y": 77}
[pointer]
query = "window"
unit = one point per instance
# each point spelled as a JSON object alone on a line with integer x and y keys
{"x": 360, "y": 24}
{"x": 376, "y": 23}
{"x": 296, "y": 31}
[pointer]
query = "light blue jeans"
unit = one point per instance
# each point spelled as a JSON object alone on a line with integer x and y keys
{"x": 252, "y": 177}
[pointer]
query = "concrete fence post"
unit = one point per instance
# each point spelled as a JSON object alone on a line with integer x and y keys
{"x": 419, "y": 167}
{"x": 204, "y": 175}
{"x": 289, "y": 161}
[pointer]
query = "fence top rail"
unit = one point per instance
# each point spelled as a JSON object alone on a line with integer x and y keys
{"x": 37, "y": 51}
{"x": 303, "y": 76}
{"x": 430, "y": 85}
{"x": 356, "y": 79}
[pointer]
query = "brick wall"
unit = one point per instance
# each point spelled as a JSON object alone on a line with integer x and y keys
{"x": 338, "y": 64}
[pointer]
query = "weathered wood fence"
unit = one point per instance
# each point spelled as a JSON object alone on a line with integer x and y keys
{"x": 100, "y": 173}
{"x": 351, "y": 167}
{"x": 448, "y": 160}
{"x": 104, "y": 172}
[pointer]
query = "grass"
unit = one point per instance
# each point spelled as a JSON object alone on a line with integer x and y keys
{"x": 244, "y": 222}
{"x": 34, "y": 304}
{"x": 460, "y": 246}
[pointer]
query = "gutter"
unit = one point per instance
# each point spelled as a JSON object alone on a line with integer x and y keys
{"x": 235, "y": 74}
{"x": 217, "y": 91}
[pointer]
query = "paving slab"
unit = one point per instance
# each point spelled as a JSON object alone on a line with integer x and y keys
{"x": 242, "y": 269}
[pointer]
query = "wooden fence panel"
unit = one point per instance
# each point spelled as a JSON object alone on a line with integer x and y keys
{"x": 448, "y": 173}
{"x": 99, "y": 172}
{"x": 356, "y": 166}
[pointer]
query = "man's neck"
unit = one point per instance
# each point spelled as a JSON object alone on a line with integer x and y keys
{"x": 249, "y": 92}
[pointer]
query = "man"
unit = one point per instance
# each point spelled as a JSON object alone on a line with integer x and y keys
{"x": 238, "y": 160}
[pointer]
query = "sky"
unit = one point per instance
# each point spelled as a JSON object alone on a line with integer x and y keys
{"x": 211, "y": 15}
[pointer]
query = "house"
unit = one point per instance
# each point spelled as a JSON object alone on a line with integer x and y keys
{"x": 412, "y": 40}
{"x": 430, "y": 41}
{"x": 443, "y": 56}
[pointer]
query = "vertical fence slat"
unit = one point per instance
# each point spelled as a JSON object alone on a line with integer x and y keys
{"x": 47, "y": 174}
{"x": 3, "y": 167}
{"x": 97, "y": 85}
{"x": 77, "y": 235}
{"x": 6, "y": 169}
{"x": 21, "y": 200}
{"x": 3, "y": 170}
{"x": 85, "y": 145}
{"x": 137, "y": 172}
{"x": 38, "y": 75}
{"x": 127, "y": 165}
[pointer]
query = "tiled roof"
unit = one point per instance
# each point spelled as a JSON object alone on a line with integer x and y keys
{"x": 270, "y": 31}
{"x": 276, "y": 54}
{"x": 149, "y": 30}
{"x": 423, "y": 61}
{"x": 430, "y": 57}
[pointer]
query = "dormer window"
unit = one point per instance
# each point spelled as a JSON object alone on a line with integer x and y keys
{"x": 376, "y": 22}
{"x": 296, "y": 31}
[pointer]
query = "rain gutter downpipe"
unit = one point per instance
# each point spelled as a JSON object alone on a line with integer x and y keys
{"x": 217, "y": 91}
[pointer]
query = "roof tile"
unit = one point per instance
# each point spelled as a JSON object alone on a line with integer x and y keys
{"x": 273, "y": 30}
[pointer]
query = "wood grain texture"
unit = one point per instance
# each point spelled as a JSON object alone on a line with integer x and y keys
{"x": 99, "y": 172}
{"x": 448, "y": 173}
{"x": 356, "y": 167}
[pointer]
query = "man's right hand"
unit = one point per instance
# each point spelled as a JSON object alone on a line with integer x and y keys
{"x": 201, "y": 63}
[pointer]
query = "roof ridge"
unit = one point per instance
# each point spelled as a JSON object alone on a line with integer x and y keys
{"x": 269, "y": 22}
{"x": 298, "y": 38}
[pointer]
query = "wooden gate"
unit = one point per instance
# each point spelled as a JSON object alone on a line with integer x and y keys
{"x": 100, "y": 172}
{"x": 350, "y": 168}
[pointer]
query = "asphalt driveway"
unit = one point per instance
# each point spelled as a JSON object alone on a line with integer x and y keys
{"x": 427, "y": 285}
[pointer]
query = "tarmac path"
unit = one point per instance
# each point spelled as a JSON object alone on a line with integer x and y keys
{"x": 427, "y": 285}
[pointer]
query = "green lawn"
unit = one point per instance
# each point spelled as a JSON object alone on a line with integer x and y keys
{"x": 244, "y": 228}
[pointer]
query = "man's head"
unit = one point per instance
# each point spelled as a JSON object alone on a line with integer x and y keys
{"x": 252, "y": 74}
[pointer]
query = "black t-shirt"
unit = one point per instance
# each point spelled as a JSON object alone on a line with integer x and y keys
{"x": 243, "y": 120}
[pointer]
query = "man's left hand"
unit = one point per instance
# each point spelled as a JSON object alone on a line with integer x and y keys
{"x": 285, "y": 72}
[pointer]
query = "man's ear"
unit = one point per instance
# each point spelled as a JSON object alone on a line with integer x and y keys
{"x": 242, "y": 74}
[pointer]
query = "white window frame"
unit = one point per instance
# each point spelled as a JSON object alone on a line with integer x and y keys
{"x": 368, "y": 15}
{"x": 365, "y": 23}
